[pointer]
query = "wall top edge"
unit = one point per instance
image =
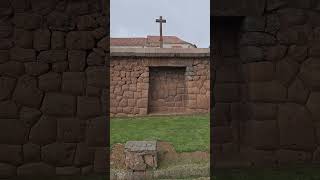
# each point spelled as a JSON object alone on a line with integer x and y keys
{"x": 159, "y": 52}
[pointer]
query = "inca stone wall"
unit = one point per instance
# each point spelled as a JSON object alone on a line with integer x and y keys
{"x": 267, "y": 86}
{"x": 53, "y": 87}
{"x": 179, "y": 82}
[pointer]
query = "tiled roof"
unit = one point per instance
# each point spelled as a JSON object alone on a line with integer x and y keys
{"x": 151, "y": 41}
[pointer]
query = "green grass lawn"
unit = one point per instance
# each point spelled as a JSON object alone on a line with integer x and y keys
{"x": 186, "y": 133}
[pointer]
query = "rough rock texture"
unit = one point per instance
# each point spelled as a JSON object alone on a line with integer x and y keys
{"x": 41, "y": 82}
{"x": 274, "y": 55}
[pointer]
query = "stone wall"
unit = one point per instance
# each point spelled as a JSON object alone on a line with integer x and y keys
{"x": 53, "y": 88}
{"x": 266, "y": 88}
{"x": 132, "y": 90}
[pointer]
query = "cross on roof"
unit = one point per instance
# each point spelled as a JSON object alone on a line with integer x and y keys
{"x": 160, "y": 20}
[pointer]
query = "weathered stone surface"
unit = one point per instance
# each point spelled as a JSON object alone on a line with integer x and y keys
{"x": 298, "y": 35}
{"x": 310, "y": 73}
{"x": 92, "y": 91}
{"x": 271, "y": 91}
{"x": 103, "y": 43}
{"x": 314, "y": 51}
{"x": 275, "y": 53}
{"x": 6, "y": 44}
{"x": 7, "y": 85}
{"x": 69, "y": 130}
{"x": 67, "y": 171}
{"x": 286, "y": 157}
{"x": 58, "y": 40}
{"x": 12, "y": 68}
{"x": 58, "y": 154}
{"x": 88, "y": 107}
{"x": 263, "y": 111}
{"x": 44, "y": 131}
{"x": 5, "y": 29}
{"x": 295, "y": 118}
{"x": 27, "y": 20}
{"x": 221, "y": 114}
{"x": 286, "y": 71}
{"x": 42, "y": 39}
{"x": 100, "y": 163}
{"x": 86, "y": 22}
{"x": 257, "y": 38}
{"x": 80, "y": 40}
{"x": 96, "y": 76}
{"x": 60, "y": 67}
{"x": 52, "y": 56}
{"x": 50, "y": 82}
{"x": 12, "y": 131}
{"x": 59, "y": 21}
{"x": 262, "y": 134}
{"x": 40, "y": 169}
{"x": 27, "y": 93}
{"x": 8, "y": 110}
{"x": 298, "y": 53}
{"x": 4, "y": 56}
{"x": 259, "y": 71}
{"x": 254, "y": 23}
{"x": 86, "y": 170}
{"x": 29, "y": 116}
{"x": 36, "y": 68}
{"x": 77, "y": 8}
{"x": 291, "y": 16}
{"x": 31, "y": 153}
{"x": 95, "y": 59}
{"x": 73, "y": 83}
{"x": 59, "y": 104}
{"x": 22, "y": 55}
{"x": 96, "y": 132}
{"x": 251, "y": 54}
{"x": 11, "y": 154}
{"x": 222, "y": 135}
{"x": 135, "y": 162}
{"x": 228, "y": 92}
{"x": 23, "y": 38}
{"x": 313, "y": 105}
{"x": 7, "y": 170}
{"x": 99, "y": 33}
{"x": 297, "y": 92}
{"x": 77, "y": 60}
{"x": 84, "y": 155}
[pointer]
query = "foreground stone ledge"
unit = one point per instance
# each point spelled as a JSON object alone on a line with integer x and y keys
{"x": 157, "y": 52}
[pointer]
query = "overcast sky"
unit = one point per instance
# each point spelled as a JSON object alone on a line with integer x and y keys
{"x": 186, "y": 19}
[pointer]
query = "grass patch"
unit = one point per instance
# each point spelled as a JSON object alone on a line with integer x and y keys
{"x": 186, "y": 133}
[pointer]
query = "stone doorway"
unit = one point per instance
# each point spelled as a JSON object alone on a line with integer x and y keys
{"x": 167, "y": 91}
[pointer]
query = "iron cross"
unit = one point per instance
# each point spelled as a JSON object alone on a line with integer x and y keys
{"x": 160, "y": 20}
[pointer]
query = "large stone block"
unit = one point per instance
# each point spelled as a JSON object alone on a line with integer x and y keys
{"x": 11, "y": 154}
{"x": 97, "y": 132}
{"x": 100, "y": 164}
{"x": 84, "y": 155}
{"x": 69, "y": 130}
{"x": 259, "y": 71}
{"x": 60, "y": 67}
{"x": 95, "y": 59}
{"x": 22, "y": 55}
{"x": 297, "y": 92}
{"x": 313, "y": 105}
{"x": 73, "y": 83}
{"x": 58, "y": 154}
{"x": 68, "y": 171}
{"x": 12, "y": 68}
{"x": 13, "y": 131}
{"x": 7, "y": 171}
{"x": 262, "y": 134}
{"x": 221, "y": 114}
{"x": 4, "y": 56}
{"x": 286, "y": 71}
{"x": 44, "y": 131}
{"x": 271, "y": 91}
{"x": 29, "y": 116}
{"x": 222, "y": 135}
{"x": 52, "y": 56}
{"x": 50, "y": 81}
{"x": 27, "y": 20}
{"x": 80, "y": 40}
{"x": 291, "y": 17}
{"x": 27, "y": 93}
{"x": 96, "y": 76}
{"x": 275, "y": 53}
{"x": 77, "y": 60}
{"x": 228, "y": 74}
{"x": 59, "y": 104}
{"x": 31, "y": 153}
{"x": 262, "y": 111}
{"x": 251, "y": 54}
{"x": 227, "y": 92}
{"x": 43, "y": 7}
{"x": 257, "y": 39}
{"x": 287, "y": 157}
{"x": 88, "y": 107}
{"x": 60, "y": 21}
{"x": 38, "y": 169}
{"x": 86, "y": 22}
{"x": 5, "y": 29}
{"x": 8, "y": 110}
{"x": 296, "y": 128}
{"x": 42, "y": 39}
{"x": 7, "y": 85}
{"x": 254, "y": 23}
{"x": 310, "y": 73}
{"x": 298, "y": 53}
{"x": 58, "y": 40}
{"x": 36, "y": 68}
{"x": 23, "y": 38}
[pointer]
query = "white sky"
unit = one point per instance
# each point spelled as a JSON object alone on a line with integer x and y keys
{"x": 186, "y": 19}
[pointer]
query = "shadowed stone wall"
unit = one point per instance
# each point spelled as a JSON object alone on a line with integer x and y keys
{"x": 53, "y": 87}
{"x": 133, "y": 93}
{"x": 266, "y": 88}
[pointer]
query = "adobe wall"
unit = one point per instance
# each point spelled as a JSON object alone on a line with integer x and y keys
{"x": 267, "y": 86}
{"x": 53, "y": 88}
{"x": 132, "y": 91}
